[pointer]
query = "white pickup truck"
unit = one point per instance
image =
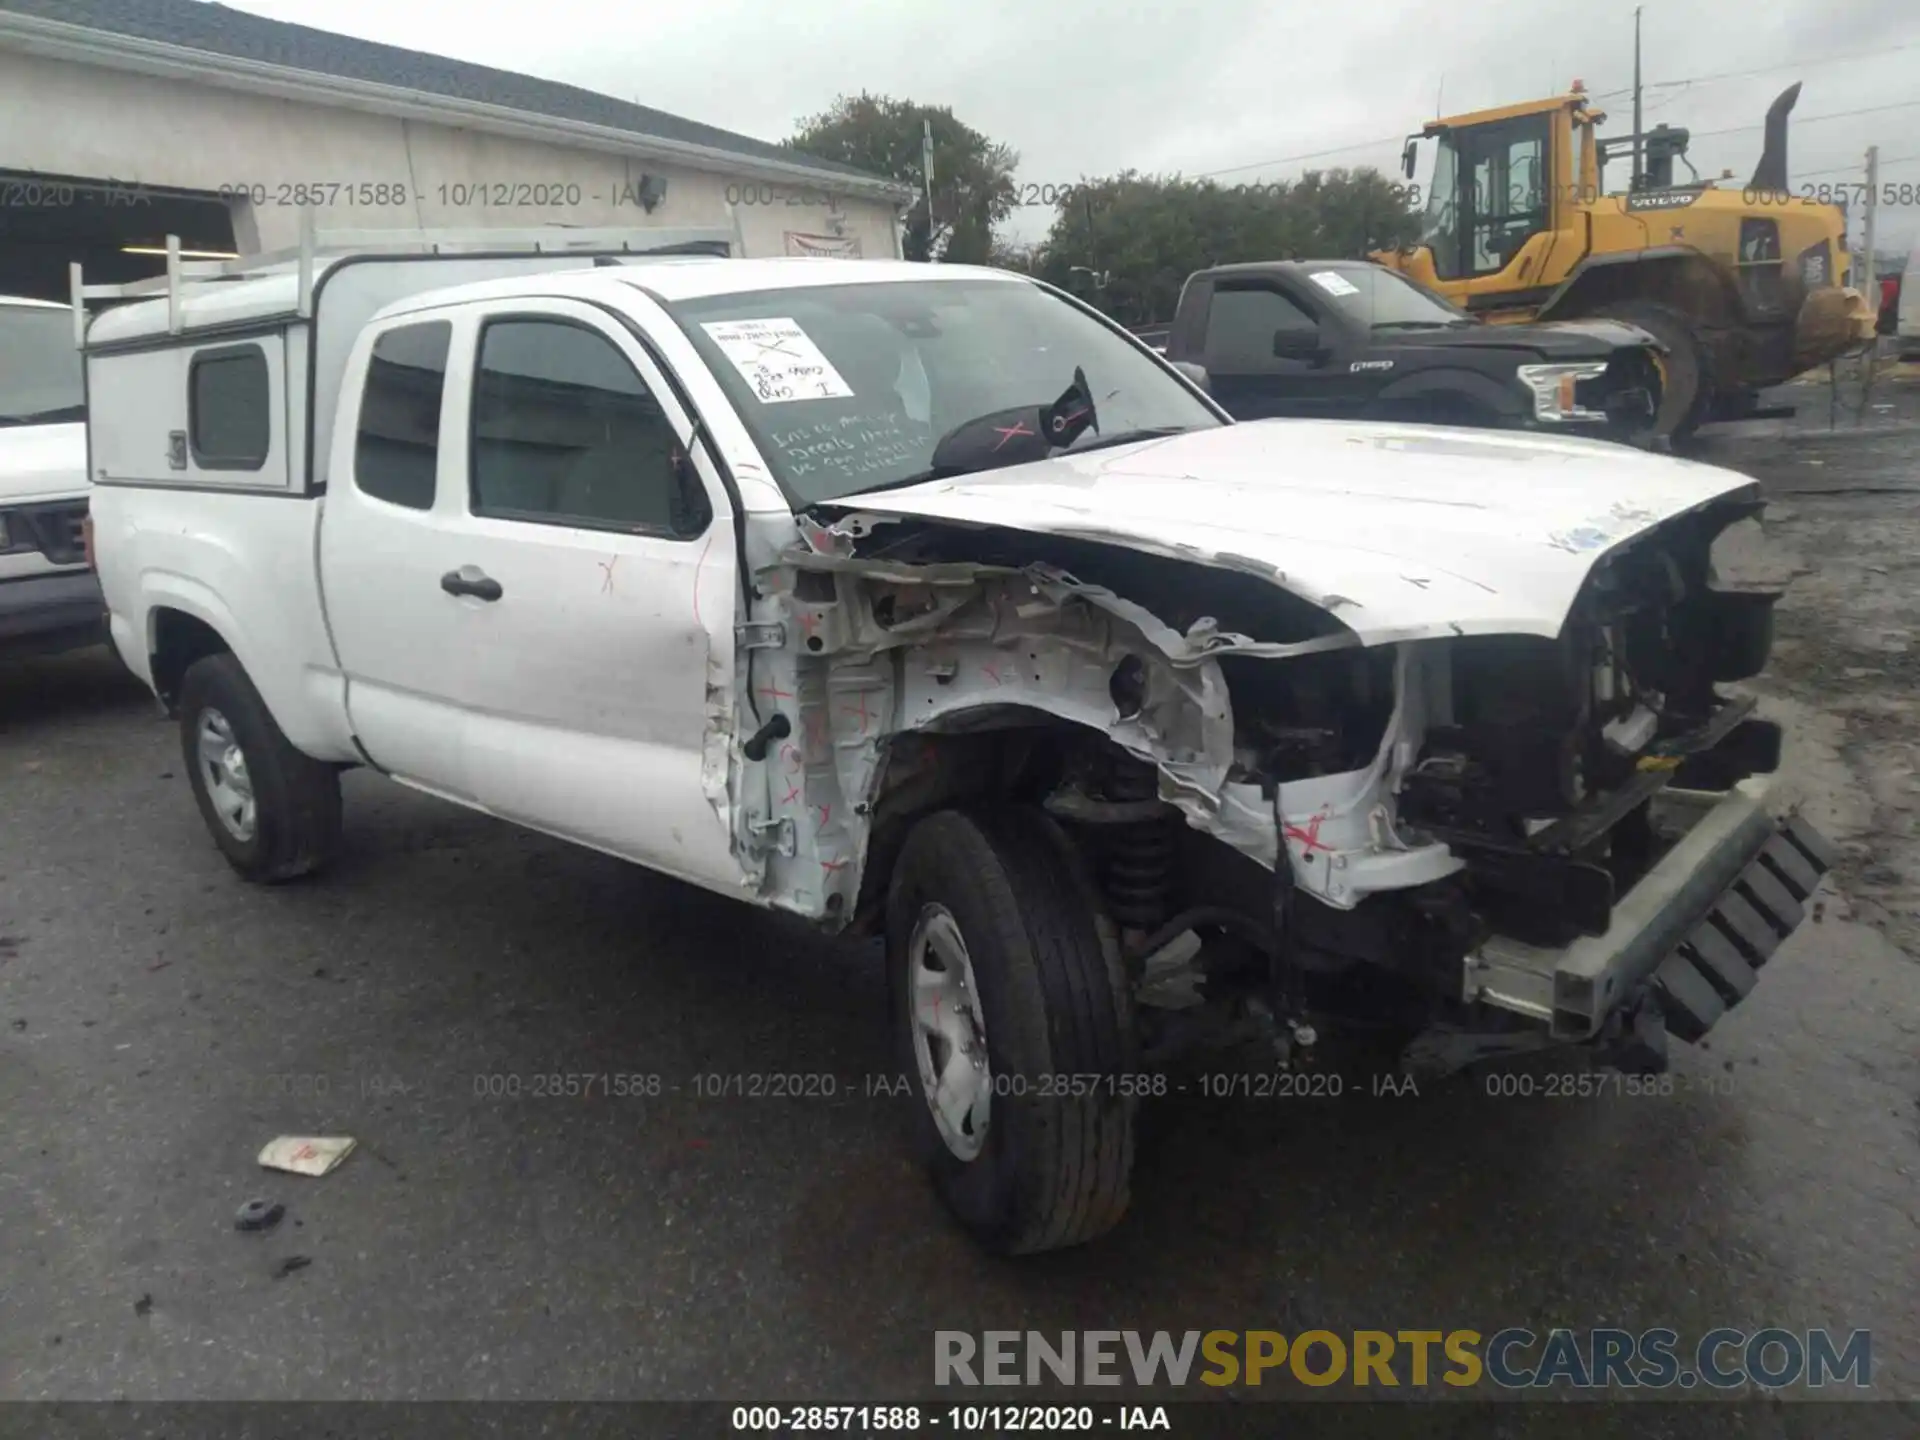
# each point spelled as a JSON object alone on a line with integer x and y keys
{"x": 49, "y": 598}
{"x": 924, "y": 599}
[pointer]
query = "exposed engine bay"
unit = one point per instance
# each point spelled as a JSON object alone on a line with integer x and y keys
{"x": 1189, "y": 725}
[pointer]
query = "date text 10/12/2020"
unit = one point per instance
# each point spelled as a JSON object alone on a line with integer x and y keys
{"x": 1232, "y": 1086}
{"x": 1236, "y": 1086}
{"x": 958, "y": 1419}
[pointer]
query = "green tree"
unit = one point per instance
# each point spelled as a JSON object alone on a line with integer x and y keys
{"x": 1128, "y": 242}
{"x": 973, "y": 186}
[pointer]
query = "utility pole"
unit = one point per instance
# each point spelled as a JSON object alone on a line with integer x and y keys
{"x": 1639, "y": 176}
{"x": 926, "y": 173}
{"x": 1866, "y": 227}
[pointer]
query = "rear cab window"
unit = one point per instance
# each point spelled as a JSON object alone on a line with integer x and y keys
{"x": 397, "y": 445}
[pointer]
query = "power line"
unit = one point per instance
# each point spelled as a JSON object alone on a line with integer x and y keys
{"x": 1308, "y": 155}
{"x": 1765, "y": 69}
{"x": 1809, "y": 119}
{"x": 1884, "y": 164}
{"x": 1696, "y": 135}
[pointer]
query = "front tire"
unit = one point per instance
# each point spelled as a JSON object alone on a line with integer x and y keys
{"x": 1686, "y": 370}
{"x": 1012, "y": 1014}
{"x": 274, "y": 812}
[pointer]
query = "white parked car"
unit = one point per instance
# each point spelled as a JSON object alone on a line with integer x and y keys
{"x": 924, "y": 599}
{"x": 49, "y": 598}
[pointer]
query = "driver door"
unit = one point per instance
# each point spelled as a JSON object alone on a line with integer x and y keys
{"x": 1267, "y": 355}
{"x": 1506, "y": 211}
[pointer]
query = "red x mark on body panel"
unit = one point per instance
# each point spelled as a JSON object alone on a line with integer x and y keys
{"x": 1309, "y": 838}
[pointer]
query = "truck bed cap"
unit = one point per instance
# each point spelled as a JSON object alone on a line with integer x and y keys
{"x": 280, "y": 285}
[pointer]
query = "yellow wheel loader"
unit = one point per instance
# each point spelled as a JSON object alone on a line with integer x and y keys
{"x": 1743, "y": 288}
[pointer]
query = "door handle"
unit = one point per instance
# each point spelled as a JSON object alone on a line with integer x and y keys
{"x": 471, "y": 580}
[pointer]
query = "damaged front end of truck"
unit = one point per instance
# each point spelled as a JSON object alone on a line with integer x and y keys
{"x": 1299, "y": 811}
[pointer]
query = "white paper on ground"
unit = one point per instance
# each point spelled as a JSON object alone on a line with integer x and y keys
{"x": 306, "y": 1154}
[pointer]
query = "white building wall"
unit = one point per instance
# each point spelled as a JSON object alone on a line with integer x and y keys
{"x": 367, "y": 171}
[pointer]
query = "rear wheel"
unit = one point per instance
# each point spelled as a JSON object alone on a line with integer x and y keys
{"x": 1686, "y": 378}
{"x": 274, "y": 812}
{"x": 1012, "y": 1014}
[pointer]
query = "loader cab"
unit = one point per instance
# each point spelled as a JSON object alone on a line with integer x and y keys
{"x": 1501, "y": 204}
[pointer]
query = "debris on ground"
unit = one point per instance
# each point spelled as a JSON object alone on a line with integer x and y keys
{"x": 306, "y": 1154}
{"x": 258, "y": 1215}
{"x": 292, "y": 1263}
{"x": 143, "y": 1306}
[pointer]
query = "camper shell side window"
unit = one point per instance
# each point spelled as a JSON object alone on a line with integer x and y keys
{"x": 229, "y": 407}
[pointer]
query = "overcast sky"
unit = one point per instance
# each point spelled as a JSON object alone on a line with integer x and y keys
{"x": 1089, "y": 87}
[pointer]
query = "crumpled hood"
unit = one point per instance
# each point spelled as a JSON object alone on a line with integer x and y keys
{"x": 42, "y": 462}
{"x": 1401, "y": 531}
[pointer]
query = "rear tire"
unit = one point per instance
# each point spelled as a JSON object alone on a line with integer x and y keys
{"x": 1686, "y": 378}
{"x": 1011, "y": 1009}
{"x": 274, "y": 812}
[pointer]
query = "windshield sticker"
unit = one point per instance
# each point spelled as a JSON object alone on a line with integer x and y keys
{"x": 1334, "y": 283}
{"x": 778, "y": 359}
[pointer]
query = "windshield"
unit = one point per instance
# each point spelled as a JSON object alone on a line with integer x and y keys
{"x": 1383, "y": 300}
{"x": 1440, "y": 225}
{"x": 848, "y": 387}
{"x": 39, "y": 368}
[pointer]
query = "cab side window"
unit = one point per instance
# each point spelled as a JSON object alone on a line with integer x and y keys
{"x": 1243, "y": 326}
{"x": 565, "y": 431}
{"x": 397, "y": 449}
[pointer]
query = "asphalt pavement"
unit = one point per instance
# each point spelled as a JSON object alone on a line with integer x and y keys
{"x": 504, "y": 1231}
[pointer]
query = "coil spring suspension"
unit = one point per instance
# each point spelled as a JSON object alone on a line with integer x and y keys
{"x": 1138, "y": 869}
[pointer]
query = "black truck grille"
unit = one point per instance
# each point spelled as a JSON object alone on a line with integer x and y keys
{"x": 56, "y": 530}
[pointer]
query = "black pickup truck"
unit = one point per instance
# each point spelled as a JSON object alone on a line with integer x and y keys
{"x": 1344, "y": 339}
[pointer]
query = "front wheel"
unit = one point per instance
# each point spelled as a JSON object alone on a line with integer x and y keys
{"x": 274, "y": 812}
{"x": 1686, "y": 369}
{"x": 1012, "y": 1014}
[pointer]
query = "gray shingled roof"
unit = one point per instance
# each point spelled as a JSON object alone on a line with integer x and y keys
{"x": 222, "y": 31}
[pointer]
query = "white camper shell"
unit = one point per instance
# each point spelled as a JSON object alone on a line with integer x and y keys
{"x": 282, "y": 323}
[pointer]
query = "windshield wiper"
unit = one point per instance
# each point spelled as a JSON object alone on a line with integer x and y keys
{"x": 1129, "y": 437}
{"x": 1420, "y": 324}
{"x": 918, "y": 478}
{"x": 1123, "y": 437}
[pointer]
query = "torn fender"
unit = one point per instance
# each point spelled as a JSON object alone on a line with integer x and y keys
{"x": 959, "y": 644}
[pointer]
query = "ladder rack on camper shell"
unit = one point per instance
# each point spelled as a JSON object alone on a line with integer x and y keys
{"x": 319, "y": 249}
